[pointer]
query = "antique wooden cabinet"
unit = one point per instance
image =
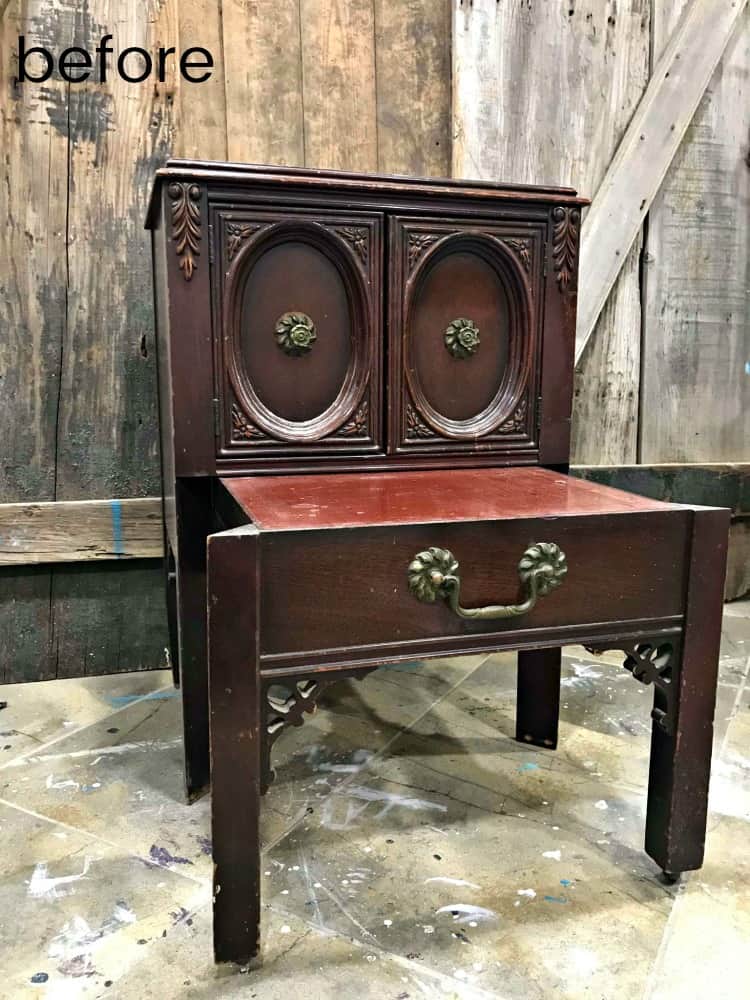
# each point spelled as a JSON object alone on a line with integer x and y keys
{"x": 372, "y": 377}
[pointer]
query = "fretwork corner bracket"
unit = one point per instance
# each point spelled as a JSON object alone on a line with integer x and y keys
{"x": 285, "y": 703}
{"x": 651, "y": 661}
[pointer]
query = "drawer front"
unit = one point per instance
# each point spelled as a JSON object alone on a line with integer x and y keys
{"x": 328, "y": 590}
{"x": 464, "y": 335}
{"x": 299, "y": 356}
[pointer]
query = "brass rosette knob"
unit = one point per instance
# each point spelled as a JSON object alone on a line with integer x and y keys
{"x": 462, "y": 338}
{"x": 295, "y": 334}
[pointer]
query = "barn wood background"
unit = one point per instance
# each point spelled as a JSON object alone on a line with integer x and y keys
{"x": 363, "y": 85}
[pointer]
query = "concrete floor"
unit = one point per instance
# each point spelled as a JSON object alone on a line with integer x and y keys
{"x": 413, "y": 849}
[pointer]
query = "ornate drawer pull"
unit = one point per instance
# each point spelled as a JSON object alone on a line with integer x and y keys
{"x": 434, "y": 573}
{"x": 295, "y": 333}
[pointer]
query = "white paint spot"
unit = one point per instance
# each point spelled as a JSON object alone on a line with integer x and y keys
{"x": 462, "y": 913}
{"x": 286, "y": 929}
{"x": 428, "y": 928}
{"x": 387, "y": 923}
{"x": 473, "y": 923}
{"x": 63, "y": 783}
{"x": 601, "y": 804}
{"x": 554, "y": 855}
{"x": 339, "y": 812}
{"x": 452, "y": 881}
{"x": 583, "y": 961}
{"x": 317, "y": 885}
{"x": 527, "y": 892}
{"x": 284, "y": 892}
{"x": 42, "y": 885}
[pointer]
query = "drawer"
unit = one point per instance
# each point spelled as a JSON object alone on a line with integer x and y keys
{"x": 464, "y": 335}
{"x": 325, "y": 590}
{"x": 298, "y": 361}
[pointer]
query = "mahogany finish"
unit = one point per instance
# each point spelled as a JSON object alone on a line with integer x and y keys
{"x": 365, "y": 387}
{"x": 281, "y": 503}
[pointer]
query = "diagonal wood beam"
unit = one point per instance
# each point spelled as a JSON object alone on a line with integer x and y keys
{"x": 643, "y": 157}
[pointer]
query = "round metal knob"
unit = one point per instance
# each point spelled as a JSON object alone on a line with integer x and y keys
{"x": 462, "y": 338}
{"x": 295, "y": 334}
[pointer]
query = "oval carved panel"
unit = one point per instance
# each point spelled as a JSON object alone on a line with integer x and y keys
{"x": 297, "y": 275}
{"x": 470, "y": 289}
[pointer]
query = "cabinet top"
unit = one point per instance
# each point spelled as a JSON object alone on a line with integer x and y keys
{"x": 304, "y": 178}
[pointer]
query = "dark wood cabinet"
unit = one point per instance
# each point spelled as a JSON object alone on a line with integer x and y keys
{"x": 370, "y": 378}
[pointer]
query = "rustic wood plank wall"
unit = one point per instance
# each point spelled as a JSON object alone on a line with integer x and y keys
{"x": 664, "y": 378}
{"x": 542, "y": 94}
{"x": 696, "y": 334}
{"x": 361, "y": 85}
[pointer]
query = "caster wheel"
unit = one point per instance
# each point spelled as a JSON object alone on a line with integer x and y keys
{"x": 670, "y": 878}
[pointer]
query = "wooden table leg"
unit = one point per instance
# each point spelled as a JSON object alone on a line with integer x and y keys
{"x": 538, "y": 697}
{"x": 193, "y": 506}
{"x": 681, "y": 757}
{"x": 235, "y": 716}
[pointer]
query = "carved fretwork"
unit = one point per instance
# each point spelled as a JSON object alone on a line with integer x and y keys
{"x": 523, "y": 249}
{"x": 236, "y": 233}
{"x": 242, "y": 428}
{"x": 285, "y": 702}
{"x": 418, "y": 243}
{"x": 415, "y": 426}
{"x": 517, "y": 420}
{"x": 566, "y": 222}
{"x": 357, "y": 237}
{"x": 186, "y": 224}
{"x": 651, "y": 661}
{"x": 358, "y": 425}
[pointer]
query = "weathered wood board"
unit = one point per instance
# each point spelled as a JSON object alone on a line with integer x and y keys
{"x": 542, "y": 93}
{"x": 80, "y": 531}
{"x": 696, "y": 338}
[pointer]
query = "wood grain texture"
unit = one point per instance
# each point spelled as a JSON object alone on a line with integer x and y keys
{"x": 201, "y": 108}
{"x": 80, "y": 531}
{"x": 680, "y": 75}
{"x": 107, "y": 427}
{"x": 516, "y": 65}
{"x": 33, "y": 272}
{"x": 413, "y": 74}
{"x": 263, "y": 81}
{"x": 696, "y": 393}
{"x": 338, "y": 74}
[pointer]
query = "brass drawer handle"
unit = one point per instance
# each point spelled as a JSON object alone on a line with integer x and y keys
{"x": 434, "y": 573}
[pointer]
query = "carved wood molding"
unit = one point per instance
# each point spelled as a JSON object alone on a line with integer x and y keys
{"x": 186, "y": 224}
{"x": 517, "y": 420}
{"x": 522, "y": 248}
{"x": 358, "y": 424}
{"x": 236, "y": 233}
{"x": 244, "y": 429}
{"x": 415, "y": 426}
{"x": 357, "y": 237}
{"x": 652, "y": 661}
{"x": 418, "y": 243}
{"x": 566, "y": 223}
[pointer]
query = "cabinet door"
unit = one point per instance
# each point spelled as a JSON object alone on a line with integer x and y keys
{"x": 463, "y": 336}
{"x": 299, "y": 356}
